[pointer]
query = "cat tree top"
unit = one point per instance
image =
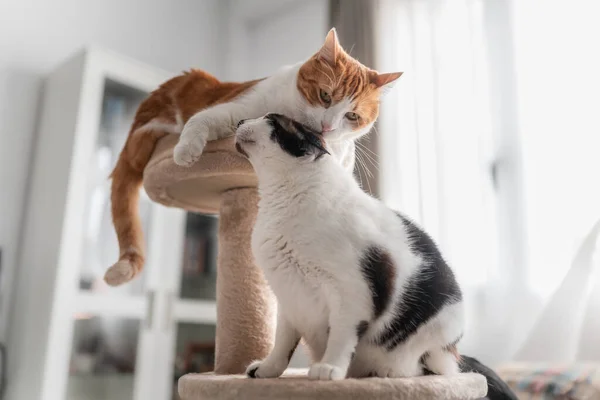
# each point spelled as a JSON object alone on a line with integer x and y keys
{"x": 198, "y": 188}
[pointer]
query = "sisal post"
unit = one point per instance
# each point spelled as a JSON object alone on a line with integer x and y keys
{"x": 245, "y": 304}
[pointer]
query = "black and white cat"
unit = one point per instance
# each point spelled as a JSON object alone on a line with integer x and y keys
{"x": 365, "y": 287}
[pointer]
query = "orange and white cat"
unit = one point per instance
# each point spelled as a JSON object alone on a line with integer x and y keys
{"x": 331, "y": 92}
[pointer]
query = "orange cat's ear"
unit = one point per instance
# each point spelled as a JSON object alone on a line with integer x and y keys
{"x": 381, "y": 80}
{"x": 331, "y": 48}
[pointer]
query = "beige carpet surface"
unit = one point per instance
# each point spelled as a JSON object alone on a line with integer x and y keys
{"x": 198, "y": 188}
{"x": 295, "y": 386}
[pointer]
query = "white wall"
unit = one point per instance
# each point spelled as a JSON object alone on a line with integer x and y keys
{"x": 265, "y": 35}
{"x": 36, "y": 35}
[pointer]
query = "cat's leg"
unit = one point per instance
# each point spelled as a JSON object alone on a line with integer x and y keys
{"x": 347, "y": 325}
{"x": 404, "y": 359}
{"x": 401, "y": 362}
{"x": 286, "y": 341}
{"x": 423, "y": 347}
{"x": 316, "y": 342}
{"x": 211, "y": 124}
{"x": 442, "y": 361}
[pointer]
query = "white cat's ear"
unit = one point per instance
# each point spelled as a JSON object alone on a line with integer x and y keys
{"x": 385, "y": 80}
{"x": 331, "y": 48}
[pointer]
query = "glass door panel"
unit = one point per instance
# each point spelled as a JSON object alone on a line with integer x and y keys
{"x": 199, "y": 269}
{"x": 101, "y": 249}
{"x": 103, "y": 358}
{"x": 112, "y": 328}
{"x": 193, "y": 315}
{"x": 194, "y": 350}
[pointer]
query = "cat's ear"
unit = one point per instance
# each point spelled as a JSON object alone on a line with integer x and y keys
{"x": 385, "y": 80}
{"x": 331, "y": 48}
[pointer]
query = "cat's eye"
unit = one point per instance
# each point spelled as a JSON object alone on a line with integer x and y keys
{"x": 352, "y": 116}
{"x": 325, "y": 97}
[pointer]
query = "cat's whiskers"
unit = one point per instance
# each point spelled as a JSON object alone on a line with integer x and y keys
{"x": 372, "y": 158}
{"x": 364, "y": 164}
{"x": 365, "y": 171}
{"x": 364, "y": 146}
{"x": 351, "y": 48}
{"x": 366, "y": 156}
{"x": 358, "y": 170}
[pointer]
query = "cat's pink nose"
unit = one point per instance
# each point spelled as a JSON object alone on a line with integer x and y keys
{"x": 326, "y": 127}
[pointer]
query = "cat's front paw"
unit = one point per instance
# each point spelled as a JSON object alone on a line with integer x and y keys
{"x": 264, "y": 369}
{"x": 188, "y": 150}
{"x": 326, "y": 372}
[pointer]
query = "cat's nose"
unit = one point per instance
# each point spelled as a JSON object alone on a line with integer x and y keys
{"x": 241, "y": 122}
{"x": 325, "y": 127}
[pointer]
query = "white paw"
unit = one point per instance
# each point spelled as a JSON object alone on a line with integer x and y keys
{"x": 326, "y": 372}
{"x": 264, "y": 369}
{"x": 119, "y": 273}
{"x": 188, "y": 151}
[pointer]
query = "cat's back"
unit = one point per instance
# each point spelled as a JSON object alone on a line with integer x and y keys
{"x": 179, "y": 98}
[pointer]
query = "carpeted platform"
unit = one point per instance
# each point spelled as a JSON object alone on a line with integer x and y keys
{"x": 294, "y": 385}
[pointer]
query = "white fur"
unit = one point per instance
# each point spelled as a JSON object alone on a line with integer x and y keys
{"x": 278, "y": 94}
{"x": 313, "y": 224}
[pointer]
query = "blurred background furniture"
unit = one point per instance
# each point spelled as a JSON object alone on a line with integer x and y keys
{"x": 129, "y": 342}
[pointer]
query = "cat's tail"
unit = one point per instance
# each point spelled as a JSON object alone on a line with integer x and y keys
{"x": 497, "y": 388}
{"x": 127, "y": 180}
{"x": 125, "y": 194}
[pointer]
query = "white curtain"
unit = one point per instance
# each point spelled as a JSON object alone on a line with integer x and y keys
{"x": 456, "y": 154}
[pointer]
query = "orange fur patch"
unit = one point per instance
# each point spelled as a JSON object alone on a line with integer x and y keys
{"x": 172, "y": 104}
{"x": 343, "y": 77}
{"x": 346, "y": 79}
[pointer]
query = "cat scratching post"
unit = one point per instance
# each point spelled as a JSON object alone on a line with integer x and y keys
{"x": 223, "y": 182}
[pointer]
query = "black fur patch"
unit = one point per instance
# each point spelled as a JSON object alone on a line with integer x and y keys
{"x": 424, "y": 357}
{"x": 240, "y": 150}
{"x": 497, "y": 388}
{"x": 292, "y": 350}
{"x": 252, "y": 372}
{"x": 361, "y": 329}
{"x": 296, "y": 139}
{"x": 378, "y": 269}
{"x": 430, "y": 289}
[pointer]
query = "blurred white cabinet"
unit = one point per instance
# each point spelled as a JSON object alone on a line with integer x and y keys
{"x": 72, "y": 336}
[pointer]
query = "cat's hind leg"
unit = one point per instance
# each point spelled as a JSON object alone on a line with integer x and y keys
{"x": 401, "y": 362}
{"x": 441, "y": 361}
